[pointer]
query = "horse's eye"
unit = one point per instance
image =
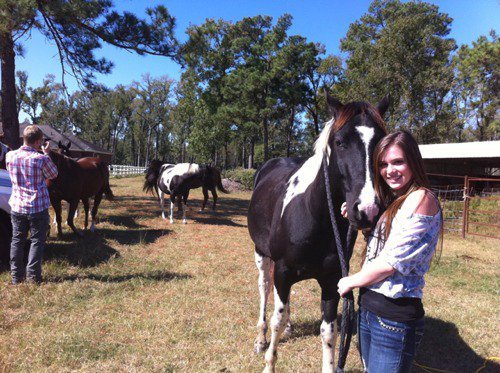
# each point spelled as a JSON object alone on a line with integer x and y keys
{"x": 340, "y": 144}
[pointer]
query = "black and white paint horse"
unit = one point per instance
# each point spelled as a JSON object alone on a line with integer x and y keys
{"x": 290, "y": 225}
{"x": 177, "y": 180}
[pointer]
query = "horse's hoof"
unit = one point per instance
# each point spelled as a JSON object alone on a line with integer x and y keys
{"x": 287, "y": 333}
{"x": 184, "y": 221}
{"x": 259, "y": 347}
{"x": 171, "y": 222}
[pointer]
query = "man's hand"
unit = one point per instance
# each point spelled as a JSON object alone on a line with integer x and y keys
{"x": 46, "y": 147}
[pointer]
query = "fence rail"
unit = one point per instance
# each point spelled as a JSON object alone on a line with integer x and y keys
{"x": 471, "y": 208}
{"x": 123, "y": 170}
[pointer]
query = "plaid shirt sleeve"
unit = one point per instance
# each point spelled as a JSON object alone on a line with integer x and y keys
{"x": 49, "y": 168}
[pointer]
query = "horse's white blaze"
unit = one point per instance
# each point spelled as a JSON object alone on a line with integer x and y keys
{"x": 367, "y": 202}
{"x": 305, "y": 175}
{"x": 328, "y": 339}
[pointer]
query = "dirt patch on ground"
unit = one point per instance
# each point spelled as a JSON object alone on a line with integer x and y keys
{"x": 233, "y": 186}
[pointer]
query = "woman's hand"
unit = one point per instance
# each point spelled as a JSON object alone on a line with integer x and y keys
{"x": 345, "y": 285}
{"x": 343, "y": 210}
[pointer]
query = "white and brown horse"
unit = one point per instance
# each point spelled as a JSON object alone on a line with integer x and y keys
{"x": 289, "y": 218}
{"x": 177, "y": 180}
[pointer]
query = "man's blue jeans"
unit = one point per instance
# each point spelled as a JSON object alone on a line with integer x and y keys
{"x": 37, "y": 224}
{"x": 387, "y": 346}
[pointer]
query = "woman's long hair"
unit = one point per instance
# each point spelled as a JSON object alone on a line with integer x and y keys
{"x": 405, "y": 141}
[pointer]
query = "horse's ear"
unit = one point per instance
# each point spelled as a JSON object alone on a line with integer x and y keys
{"x": 383, "y": 105}
{"x": 333, "y": 104}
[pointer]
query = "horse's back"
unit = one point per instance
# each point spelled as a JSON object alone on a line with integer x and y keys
{"x": 95, "y": 173}
{"x": 267, "y": 198}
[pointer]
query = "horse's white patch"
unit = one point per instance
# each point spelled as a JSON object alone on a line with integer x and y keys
{"x": 367, "y": 196}
{"x": 328, "y": 339}
{"x": 305, "y": 175}
{"x": 178, "y": 170}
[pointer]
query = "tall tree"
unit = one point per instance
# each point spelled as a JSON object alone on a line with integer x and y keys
{"x": 77, "y": 28}
{"x": 478, "y": 86}
{"x": 402, "y": 48}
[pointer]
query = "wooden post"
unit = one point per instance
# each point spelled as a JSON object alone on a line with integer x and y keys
{"x": 465, "y": 213}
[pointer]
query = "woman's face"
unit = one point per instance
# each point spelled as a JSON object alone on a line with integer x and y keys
{"x": 394, "y": 169}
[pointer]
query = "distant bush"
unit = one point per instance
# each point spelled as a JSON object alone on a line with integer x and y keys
{"x": 242, "y": 176}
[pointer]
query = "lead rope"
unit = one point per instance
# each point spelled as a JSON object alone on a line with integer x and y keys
{"x": 347, "y": 300}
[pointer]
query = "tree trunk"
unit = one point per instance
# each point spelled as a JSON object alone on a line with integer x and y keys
{"x": 251, "y": 154}
{"x": 266, "y": 139}
{"x": 10, "y": 120}
{"x": 289, "y": 132}
{"x": 243, "y": 153}
{"x": 226, "y": 155}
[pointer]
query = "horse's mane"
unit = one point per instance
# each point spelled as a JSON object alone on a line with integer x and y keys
{"x": 55, "y": 156}
{"x": 347, "y": 112}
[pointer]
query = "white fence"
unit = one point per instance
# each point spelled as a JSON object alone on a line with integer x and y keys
{"x": 122, "y": 170}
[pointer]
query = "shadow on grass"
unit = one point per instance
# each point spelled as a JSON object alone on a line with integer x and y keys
{"x": 133, "y": 237}
{"x": 92, "y": 249}
{"x": 443, "y": 348}
{"x": 89, "y": 251}
{"x": 159, "y": 276}
{"x": 227, "y": 210}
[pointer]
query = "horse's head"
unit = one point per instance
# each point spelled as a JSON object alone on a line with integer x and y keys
{"x": 64, "y": 148}
{"x": 356, "y": 128}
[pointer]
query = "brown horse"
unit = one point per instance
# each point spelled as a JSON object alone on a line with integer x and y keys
{"x": 78, "y": 180}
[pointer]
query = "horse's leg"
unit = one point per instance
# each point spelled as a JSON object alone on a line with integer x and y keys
{"x": 162, "y": 203}
{"x": 95, "y": 207}
{"x": 264, "y": 265}
{"x": 205, "y": 198}
{"x": 329, "y": 302}
{"x": 56, "y": 204}
{"x": 86, "y": 205}
{"x": 214, "y": 196}
{"x": 73, "y": 205}
{"x": 184, "y": 206}
{"x": 171, "y": 211}
{"x": 282, "y": 288}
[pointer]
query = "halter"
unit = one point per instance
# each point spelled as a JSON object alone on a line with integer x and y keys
{"x": 348, "y": 299}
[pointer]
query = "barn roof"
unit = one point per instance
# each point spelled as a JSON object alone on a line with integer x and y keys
{"x": 77, "y": 144}
{"x": 479, "y": 149}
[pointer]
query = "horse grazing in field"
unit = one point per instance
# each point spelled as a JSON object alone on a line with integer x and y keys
{"x": 78, "y": 180}
{"x": 177, "y": 180}
{"x": 289, "y": 218}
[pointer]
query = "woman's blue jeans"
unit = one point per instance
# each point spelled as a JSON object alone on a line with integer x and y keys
{"x": 385, "y": 345}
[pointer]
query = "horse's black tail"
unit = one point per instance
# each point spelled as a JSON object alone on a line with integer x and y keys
{"x": 152, "y": 174}
{"x": 108, "y": 193}
{"x": 218, "y": 180}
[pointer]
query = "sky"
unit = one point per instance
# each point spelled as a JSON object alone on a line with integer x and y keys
{"x": 322, "y": 21}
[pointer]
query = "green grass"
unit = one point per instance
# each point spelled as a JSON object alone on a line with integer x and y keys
{"x": 143, "y": 295}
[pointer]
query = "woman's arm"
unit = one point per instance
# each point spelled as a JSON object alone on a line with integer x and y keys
{"x": 371, "y": 273}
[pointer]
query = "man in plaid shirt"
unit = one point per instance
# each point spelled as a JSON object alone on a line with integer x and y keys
{"x": 29, "y": 204}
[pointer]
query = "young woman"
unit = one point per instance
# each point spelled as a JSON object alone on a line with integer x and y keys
{"x": 399, "y": 251}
